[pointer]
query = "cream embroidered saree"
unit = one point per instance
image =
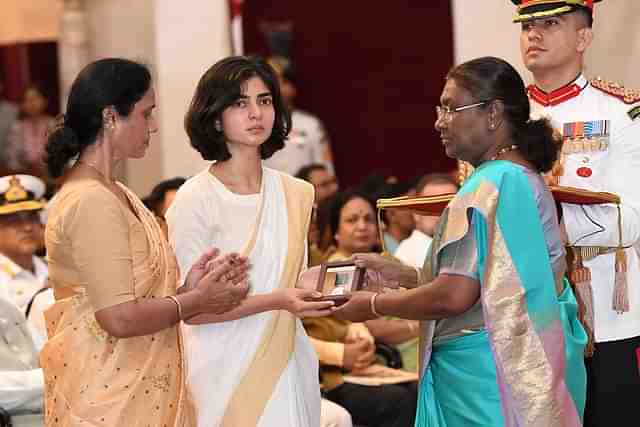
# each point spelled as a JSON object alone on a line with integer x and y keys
{"x": 100, "y": 255}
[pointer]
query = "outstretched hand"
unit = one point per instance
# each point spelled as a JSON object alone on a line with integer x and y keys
{"x": 304, "y": 303}
{"x": 357, "y": 308}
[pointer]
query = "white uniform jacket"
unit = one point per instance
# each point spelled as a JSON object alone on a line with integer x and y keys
{"x": 601, "y": 134}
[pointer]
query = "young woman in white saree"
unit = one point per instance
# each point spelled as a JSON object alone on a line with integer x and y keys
{"x": 259, "y": 349}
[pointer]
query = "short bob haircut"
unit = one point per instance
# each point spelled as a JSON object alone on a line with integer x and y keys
{"x": 218, "y": 89}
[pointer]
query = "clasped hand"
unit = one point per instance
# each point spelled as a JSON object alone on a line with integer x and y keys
{"x": 221, "y": 281}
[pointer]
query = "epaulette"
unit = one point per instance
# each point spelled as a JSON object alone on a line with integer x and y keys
{"x": 628, "y": 96}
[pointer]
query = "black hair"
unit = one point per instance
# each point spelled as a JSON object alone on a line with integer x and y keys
{"x": 154, "y": 200}
{"x": 221, "y": 86}
{"x": 305, "y": 172}
{"x": 339, "y": 201}
{"x": 490, "y": 78}
{"x": 116, "y": 82}
{"x": 587, "y": 15}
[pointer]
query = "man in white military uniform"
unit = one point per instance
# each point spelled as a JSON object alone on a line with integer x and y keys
{"x": 308, "y": 141}
{"x": 21, "y": 379}
{"x": 22, "y": 278}
{"x": 600, "y": 125}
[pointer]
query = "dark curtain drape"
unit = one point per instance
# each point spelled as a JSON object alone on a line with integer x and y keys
{"x": 372, "y": 71}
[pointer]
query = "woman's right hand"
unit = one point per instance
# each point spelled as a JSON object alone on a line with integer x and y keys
{"x": 225, "y": 284}
{"x": 300, "y": 303}
{"x": 389, "y": 272}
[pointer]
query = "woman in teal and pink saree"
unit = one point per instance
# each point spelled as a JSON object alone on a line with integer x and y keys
{"x": 501, "y": 343}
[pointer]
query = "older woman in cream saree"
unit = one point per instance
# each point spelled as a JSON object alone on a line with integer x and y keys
{"x": 90, "y": 376}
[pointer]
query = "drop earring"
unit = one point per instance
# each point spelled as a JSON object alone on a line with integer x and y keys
{"x": 218, "y": 125}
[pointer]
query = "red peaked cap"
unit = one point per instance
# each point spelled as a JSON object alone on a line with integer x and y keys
{"x": 536, "y": 9}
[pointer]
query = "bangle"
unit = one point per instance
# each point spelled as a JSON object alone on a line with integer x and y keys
{"x": 178, "y": 305}
{"x": 372, "y": 303}
{"x": 418, "y": 275}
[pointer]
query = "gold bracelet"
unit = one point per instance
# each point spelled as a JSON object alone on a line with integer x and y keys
{"x": 372, "y": 303}
{"x": 178, "y": 305}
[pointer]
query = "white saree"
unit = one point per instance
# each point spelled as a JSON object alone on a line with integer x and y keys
{"x": 261, "y": 369}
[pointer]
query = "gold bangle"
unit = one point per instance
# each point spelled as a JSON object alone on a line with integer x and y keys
{"x": 372, "y": 303}
{"x": 178, "y": 305}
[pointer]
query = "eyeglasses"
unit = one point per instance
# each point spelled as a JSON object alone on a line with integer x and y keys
{"x": 446, "y": 112}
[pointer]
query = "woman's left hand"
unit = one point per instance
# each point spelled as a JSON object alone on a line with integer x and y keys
{"x": 357, "y": 309}
{"x": 209, "y": 260}
{"x": 199, "y": 269}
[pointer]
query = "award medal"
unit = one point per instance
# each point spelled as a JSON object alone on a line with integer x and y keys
{"x": 584, "y": 137}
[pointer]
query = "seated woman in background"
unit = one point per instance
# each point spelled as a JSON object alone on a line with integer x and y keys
{"x": 352, "y": 221}
{"x": 344, "y": 346}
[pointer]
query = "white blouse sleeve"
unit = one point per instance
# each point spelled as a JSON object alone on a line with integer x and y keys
{"x": 190, "y": 228}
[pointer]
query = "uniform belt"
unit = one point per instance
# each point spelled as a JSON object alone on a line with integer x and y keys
{"x": 588, "y": 253}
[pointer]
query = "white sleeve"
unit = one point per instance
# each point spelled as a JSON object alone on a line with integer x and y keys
{"x": 36, "y": 321}
{"x": 598, "y": 225}
{"x": 190, "y": 230}
{"x": 321, "y": 144}
{"x": 22, "y": 390}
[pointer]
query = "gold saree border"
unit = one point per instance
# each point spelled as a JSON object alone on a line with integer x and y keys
{"x": 518, "y": 349}
{"x": 277, "y": 344}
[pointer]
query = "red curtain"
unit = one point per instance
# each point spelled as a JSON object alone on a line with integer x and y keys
{"x": 373, "y": 72}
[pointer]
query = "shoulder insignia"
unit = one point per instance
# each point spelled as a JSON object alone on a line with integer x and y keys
{"x": 634, "y": 113}
{"x": 628, "y": 96}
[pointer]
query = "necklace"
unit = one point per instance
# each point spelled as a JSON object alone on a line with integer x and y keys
{"x": 96, "y": 170}
{"x": 504, "y": 150}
